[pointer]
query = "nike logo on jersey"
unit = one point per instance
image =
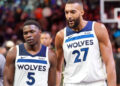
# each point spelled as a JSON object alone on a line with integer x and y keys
{"x": 22, "y": 57}
{"x": 41, "y": 58}
{"x": 86, "y": 33}
{"x": 70, "y": 36}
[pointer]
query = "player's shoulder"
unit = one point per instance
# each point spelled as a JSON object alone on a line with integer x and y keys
{"x": 12, "y": 49}
{"x": 11, "y": 54}
{"x": 51, "y": 55}
{"x": 100, "y": 30}
{"x": 51, "y": 52}
{"x": 99, "y": 25}
{"x": 60, "y": 34}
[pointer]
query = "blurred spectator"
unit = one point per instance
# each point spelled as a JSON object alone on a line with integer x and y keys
{"x": 2, "y": 64}
{"x": 17, "y": 14}
{"x": 54, "y": 30}
{"x": 24, "y": 16}
{"x": 9, "y": 44}
{"x": 119, "y": 16}
{"x": 44, "y": 24}
{"x": 38, "y": 13}
{"x": 19, "y": 42}
{"x": 116, "y": 35}
{"x": 8, "y": 33}
{"x": 47, "y": 12}
{"x": 2, "y": 39}
{"x": 3, "y": 51}
{"x": 111, "y": 13}
{"x": 46, "y": 39}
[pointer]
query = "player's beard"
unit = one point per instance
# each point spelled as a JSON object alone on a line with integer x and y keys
{"x": 75, "y": 24}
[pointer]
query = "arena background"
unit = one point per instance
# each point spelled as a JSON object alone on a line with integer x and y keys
{"x": 50, "y": 14}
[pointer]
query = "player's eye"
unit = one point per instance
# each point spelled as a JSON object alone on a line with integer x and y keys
{"x": 32, "y": 31}
{"x": 73, "y": 11}
{"x": 66, "y": 12}
{"x": 25, "y": 33}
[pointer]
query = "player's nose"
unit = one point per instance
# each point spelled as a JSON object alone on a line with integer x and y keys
{"x": 29, "y": 35}
{"x": 69, "y": 16}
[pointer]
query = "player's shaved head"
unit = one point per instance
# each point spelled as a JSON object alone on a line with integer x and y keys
{"x": 77, "y": 4}
{"x": 75, "y": 1}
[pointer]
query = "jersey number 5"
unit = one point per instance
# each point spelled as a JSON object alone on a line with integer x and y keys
{"x": 31, "y": 78}
{"x": 77, "y": 59}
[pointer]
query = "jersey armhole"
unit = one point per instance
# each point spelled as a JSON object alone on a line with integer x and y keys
{"x": 17, "y": 52}
{"x": 64, "y": 36}
{"x": 47, "y": 55}
{"x": 93, "y": 29}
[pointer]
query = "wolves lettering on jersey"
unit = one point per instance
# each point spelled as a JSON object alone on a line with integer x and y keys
{"x": 80, "y": 44}
{"x": 31, "y": 67}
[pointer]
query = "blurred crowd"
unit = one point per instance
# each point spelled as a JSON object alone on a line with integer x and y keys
{"x": 13, "y": 13}
{"x": 50, "y": 14}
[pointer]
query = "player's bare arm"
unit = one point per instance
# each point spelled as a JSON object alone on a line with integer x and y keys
{"x": 59, "y": 51}
{"x": 10, "y": 67}
{"x": 106, "y": 53}
{"x": 52, "y": 70}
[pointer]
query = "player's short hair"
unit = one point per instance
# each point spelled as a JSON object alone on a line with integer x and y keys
{"x": 46, "y": 32}
{"x": 32, "y": 22}
{"x": 75, "y": 1}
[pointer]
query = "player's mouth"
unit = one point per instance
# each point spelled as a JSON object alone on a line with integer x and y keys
{"x": 30, "y": 40}
{"x": 71, "y": 21}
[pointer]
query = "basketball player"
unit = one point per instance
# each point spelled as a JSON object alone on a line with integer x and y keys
{"x": 31, "y": 63}
{"x": 46, "y": 39}
{"x": 85, "y": 46}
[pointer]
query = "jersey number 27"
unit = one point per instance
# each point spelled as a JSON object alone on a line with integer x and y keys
{"x": 78, "y": 59}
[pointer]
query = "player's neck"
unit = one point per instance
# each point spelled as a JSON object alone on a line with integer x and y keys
{"x": 80, "y": 26}
{"x": 35, "y": 47}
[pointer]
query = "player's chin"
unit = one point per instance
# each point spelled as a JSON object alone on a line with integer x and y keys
{"x": 30, "y": 43}
{"x": 71, "y": 26}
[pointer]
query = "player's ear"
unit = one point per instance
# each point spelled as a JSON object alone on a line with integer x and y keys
{"x": 82, "y": 12}
{"x": 51, "y": 40}
{"x": 40, "y": 32}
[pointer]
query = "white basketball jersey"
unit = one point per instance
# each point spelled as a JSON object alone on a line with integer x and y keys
{"x": 31, "y": 70}
{"x": 83, "y": 62}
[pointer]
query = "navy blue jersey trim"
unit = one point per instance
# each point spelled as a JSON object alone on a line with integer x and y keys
{"x": 31, "y": 61}
{"x": 88, "y": 27}
{"x": 23, "y": 51}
